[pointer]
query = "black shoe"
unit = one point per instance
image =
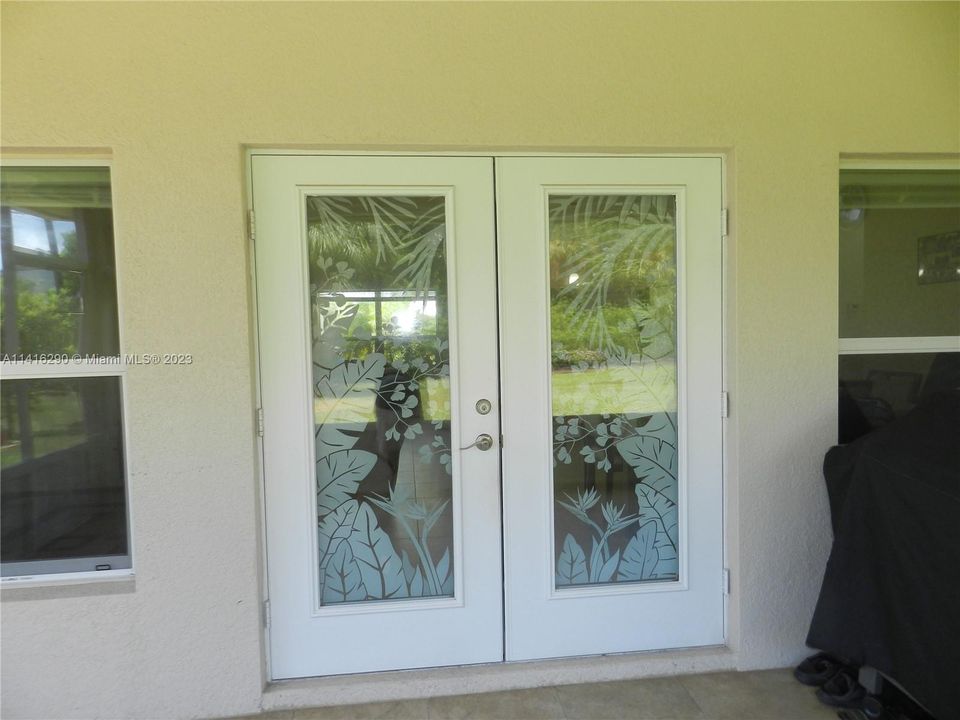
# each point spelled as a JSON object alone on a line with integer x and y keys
{"x": 817, "y": 669}
{"x": 842, "y": 691}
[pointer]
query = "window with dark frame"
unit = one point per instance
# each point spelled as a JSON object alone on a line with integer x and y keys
{"x": 63, "y": 494}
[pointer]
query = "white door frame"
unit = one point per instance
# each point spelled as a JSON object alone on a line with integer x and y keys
{"x": 729, "y": 510}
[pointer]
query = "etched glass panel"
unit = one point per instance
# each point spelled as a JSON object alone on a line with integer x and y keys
{"x": 613, "y": 309}
{"x": 381, "y": 397}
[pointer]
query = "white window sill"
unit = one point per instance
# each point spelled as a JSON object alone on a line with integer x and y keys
{"x": 74, "y": 578}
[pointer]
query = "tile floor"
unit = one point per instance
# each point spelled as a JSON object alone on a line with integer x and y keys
{"x": 761, "y": 695}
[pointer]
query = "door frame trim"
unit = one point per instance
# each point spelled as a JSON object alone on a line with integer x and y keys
{"x": 730, "y": 534}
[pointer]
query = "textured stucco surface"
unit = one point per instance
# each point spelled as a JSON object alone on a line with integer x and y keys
{"x": 175, "y": 90}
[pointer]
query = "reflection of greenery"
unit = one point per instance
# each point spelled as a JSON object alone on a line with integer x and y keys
{"x": 612, "y": 273}
{"x": 379, "y": 244}
{"x": 56, "y": 420}
{"x": 46, "y": 320}
{"x": 360, "y": 337}
{"x": 382, "y": 243}
{"x": 568, "y": 345}
{"x": 613, "y": 352}
{"x": 646, "y": 387}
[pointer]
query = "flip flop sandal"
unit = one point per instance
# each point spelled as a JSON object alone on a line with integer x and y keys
{"x": 817, "y": 669}
{"x": 842, "y": 691}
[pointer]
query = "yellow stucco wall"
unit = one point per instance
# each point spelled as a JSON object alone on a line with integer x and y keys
{"x": 175, "y": 90}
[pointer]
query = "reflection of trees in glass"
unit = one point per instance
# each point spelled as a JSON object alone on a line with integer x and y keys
{"x": 55, "y": 415}
{"x": 46, "y": 318}
{"x": 384, "y": 245}
{"x": 379, "y": 305}
{"x": 613, "y": 334}
{"x": 57, "y": 298}
{"x": 612, "y": 274}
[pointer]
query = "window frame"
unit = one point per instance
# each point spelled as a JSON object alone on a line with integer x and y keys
{"x": 895, "y": 345}
{"x": 80, "y": 570}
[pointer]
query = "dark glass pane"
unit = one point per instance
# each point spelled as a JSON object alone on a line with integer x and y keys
{"x": 63, "y": 470}
{"x": 877, "y": 389}
{"x": 59, "y": 291}
{"x": 899, "y": 253}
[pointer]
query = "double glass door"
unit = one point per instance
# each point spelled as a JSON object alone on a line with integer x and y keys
{"x": 490, "y": 394}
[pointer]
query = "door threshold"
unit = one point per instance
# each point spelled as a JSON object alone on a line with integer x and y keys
{"x": 490, "y": 677}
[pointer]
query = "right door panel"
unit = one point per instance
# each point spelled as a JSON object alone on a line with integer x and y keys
{"x": 610, "y": 290}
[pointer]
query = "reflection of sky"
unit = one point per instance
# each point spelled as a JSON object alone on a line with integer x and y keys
{"x": 404, "y": 318}
{"x": 407, "y": 319}
{"x": 30, "y": 232}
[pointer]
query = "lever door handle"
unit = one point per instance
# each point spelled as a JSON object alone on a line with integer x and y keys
{"x": 483, "y": 442}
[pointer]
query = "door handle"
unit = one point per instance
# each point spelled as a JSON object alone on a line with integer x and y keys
{"x": 483, "y": 442}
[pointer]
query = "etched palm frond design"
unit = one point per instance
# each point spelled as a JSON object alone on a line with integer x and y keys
{"x": 609, "y": 247}
{"x": 650, "y": 550}
{"x": 380, "y": 394}
{"x": 396, "y": 235}
{"x": 613, "y": 343}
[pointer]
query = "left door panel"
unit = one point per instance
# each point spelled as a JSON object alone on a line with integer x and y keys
{"x": 377, "y": 337}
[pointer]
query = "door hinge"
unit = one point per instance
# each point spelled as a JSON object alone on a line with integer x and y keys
{"x": 724, "y": 223}
{"x": 251, "y": 225}
{"x": 501, "y": 440}
{"x": 724, "y": 404}
{"x": 266, "y": 613}
{"x": 726, "y": 581}
{"x": 260, "y": 422}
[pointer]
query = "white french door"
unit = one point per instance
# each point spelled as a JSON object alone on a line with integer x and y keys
{"x": 383, "y": 538}
{"x": 383, "y": 396}
{"x": 610, "y": 289}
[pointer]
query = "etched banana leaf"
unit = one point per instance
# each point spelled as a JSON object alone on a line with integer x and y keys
{"x": 657, "y": 507}
{"x": 668, "y": 564}
{"x": 343, "y": 400}
{"x": 599, "y": 552}
{"x": 609, "y": 568}
{"x": 572, "y": 563}
{"x": 408, "y": 567}
{"x": 417, "y": 587}
{"x": 380, "y": 566}
{"x": 414, "y": 577}
{"x": 444, "y": 574}
{"x": 332, "y": 529}
{"x": 640, "y": 557}
{"x": 652, "y": 454}
{"x": 342, "y": 581}
{"x": 338, "y": 477}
